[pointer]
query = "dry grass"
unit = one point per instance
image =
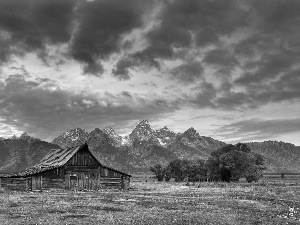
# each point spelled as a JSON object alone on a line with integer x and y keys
{"x": 157, "y": 203}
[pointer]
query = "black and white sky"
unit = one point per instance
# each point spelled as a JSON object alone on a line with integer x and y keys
{"x": 230, "y": 69}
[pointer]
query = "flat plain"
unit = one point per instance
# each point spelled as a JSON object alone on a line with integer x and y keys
{"x": 158, "y": 203}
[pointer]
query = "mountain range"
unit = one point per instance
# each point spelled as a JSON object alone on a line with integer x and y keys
{"x": 139, "y": 150}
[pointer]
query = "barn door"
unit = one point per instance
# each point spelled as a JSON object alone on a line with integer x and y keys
{"x": 83, "y": 181}
{"x": 36, "y": 182}
{"x": 74, "y": 182}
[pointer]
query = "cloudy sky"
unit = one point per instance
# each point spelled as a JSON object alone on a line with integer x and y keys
{"x": 230, "y": 69}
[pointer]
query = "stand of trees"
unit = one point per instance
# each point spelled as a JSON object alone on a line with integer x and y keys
{"x": 229, "y": 163}
{"x": 181, "y": 169}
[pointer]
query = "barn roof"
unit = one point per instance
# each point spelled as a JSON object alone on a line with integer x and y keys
{"x": 54, "y": 159}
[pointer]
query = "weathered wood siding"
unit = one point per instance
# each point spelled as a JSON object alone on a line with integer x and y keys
{"x": 15, "y": 184}
{"x": 53, "y": 183}
{"x": 84, "y": 172}
{"x": 36, "y": 182}
{"x": 81, "y": 181}
{"x": 53, "y": 179}
{"x": 82, "y": 158}
{"x": 106, "y": 172}
{"x": 85, "y": 178}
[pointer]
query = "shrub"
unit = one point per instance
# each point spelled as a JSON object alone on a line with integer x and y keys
{"x": 2, "y": 190}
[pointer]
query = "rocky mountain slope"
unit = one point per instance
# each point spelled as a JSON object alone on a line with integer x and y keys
{"x": 140, "y": 149}
{"x": 143, "y": 147}
{"x": 17, "y": 153}
{"x": 75, "y": 136}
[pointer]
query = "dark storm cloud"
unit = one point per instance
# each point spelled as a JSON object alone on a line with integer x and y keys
{"x": 44, "y": 110}
{"x": 101, "y": 27}
{"x": 93, "y": 30}
{"x": 269, "y": 67}
{"x": 206, "y": 95}
{"x": 258, "y": 129}
{"x": 183, "y": 24}
{"x": 284, "y": 89}
{"x": 274, "y": 76}
{"x": 188, "y": 72}
{"x": 29, "y": 25}
{"x": 180, "y": 21}
{"x": 267, "y": 57}
{"x": 260, "y": 38}
{"x": 122, "y": 69}
{"x": 222, "y": 60}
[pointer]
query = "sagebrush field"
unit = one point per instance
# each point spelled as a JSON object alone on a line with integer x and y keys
{"x": 158, "y": 203}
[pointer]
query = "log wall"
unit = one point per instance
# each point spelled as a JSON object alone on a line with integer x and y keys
{"x": 53, "y": 183}
{"x": 82, "y": 158}
{"x": 90, "y": 181}
{"x": 15, "y": 184}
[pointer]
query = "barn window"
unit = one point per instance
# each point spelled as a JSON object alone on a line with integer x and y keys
{"x": 73, "y": 177}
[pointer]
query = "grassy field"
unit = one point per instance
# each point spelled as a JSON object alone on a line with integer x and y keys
{"x": 157, "y": 203}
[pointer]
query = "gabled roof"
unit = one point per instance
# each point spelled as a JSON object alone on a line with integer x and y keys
{"x": 54, "y": 159}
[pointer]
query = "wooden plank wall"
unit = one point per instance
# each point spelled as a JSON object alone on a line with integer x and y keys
{"x": 15, "y": 184}
{"x": 106, "y": 172}
{"x": 83, "y": 181}
{"x": 53, "y": 183}
{"x": 82, "y": 158}
{"x": 53, "y": 179}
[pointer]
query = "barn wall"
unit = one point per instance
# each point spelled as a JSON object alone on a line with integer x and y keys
{"x": 84, "y": 172}
{"x": 106, "y": 172}
{"x": 53, "y": 179}
{"x": 91, "y": 178}
{"x": 82, "y": 158}
{"x": 15, "y": 184}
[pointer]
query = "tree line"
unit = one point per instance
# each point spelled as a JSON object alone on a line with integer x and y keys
{"x": 230, "y": 163}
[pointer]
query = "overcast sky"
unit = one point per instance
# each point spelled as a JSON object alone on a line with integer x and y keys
{"x": 230, "y": 69}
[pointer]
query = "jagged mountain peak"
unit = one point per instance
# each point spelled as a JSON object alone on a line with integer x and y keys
{"x": 165, "y": 132}
{"x": 75, "y": 129}
{"x": 109, "y": 130}
{"x": 165, "y": 128}
{"x": 191, "y": 130}
{"x": 14, "y": 137}
{"x": 144, "y": 124}
{"x": 144, "y": 121}
{"x": 143, "y": 128}
{"x": 75, "y": 132}
{"x": 116, "y": 140}
{"x": 190, "y": 133}
{"x": 74, "y": 136}
{"x": 24, "y": 136}
{"x": 144, "y": 132}
{"x": 97, "y": 132}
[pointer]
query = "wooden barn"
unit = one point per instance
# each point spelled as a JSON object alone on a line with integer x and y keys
{"x": 72, "y": 168}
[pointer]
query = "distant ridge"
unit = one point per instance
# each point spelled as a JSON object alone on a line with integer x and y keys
{"x": 140, "y": 149}
{"x": 17, "y": 153}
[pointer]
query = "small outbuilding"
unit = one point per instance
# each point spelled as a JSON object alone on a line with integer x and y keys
{"x": 74, "y": 168}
